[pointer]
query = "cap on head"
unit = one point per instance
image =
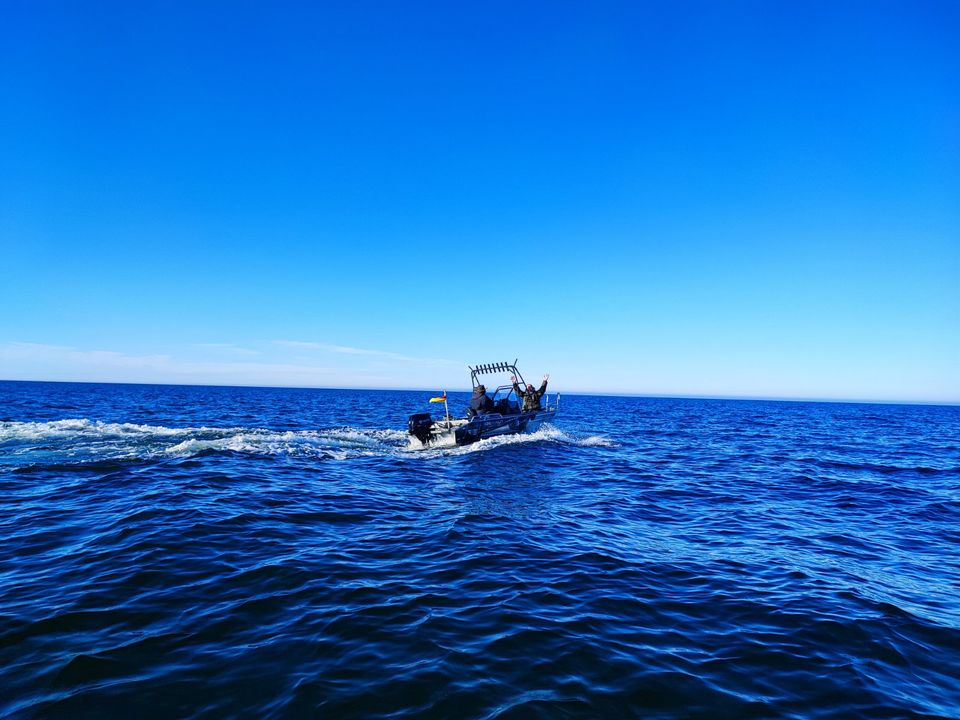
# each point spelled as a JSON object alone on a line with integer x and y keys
{"x": 529, "y": 388}
{"x": 481, "y": 389}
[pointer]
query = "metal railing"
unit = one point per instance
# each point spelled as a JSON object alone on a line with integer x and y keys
{"x": 490, "y": 368}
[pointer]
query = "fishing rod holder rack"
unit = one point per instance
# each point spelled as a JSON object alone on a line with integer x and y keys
{"x": 490, "y": 368}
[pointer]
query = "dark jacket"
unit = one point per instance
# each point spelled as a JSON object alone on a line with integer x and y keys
{"x": 531, "y": 400}
{"x": 480, "y": 403}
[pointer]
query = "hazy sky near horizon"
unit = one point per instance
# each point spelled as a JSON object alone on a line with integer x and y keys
{"x": 727, "y": 199}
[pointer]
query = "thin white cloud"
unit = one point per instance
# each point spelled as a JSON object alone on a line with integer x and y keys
{"x": 228, "y": 348}
{"x": 347, "y": 350}
{"x": 41, "y": 352}
{"x": 37, "y": 361}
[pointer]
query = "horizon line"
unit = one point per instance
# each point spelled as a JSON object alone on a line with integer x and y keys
{"x": 621, "y": 394}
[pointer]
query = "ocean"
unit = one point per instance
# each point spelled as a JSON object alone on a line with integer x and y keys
{"x": 211, "y": 552}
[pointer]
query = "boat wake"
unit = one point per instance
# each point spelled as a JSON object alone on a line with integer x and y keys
{"x": 80, "y": 441}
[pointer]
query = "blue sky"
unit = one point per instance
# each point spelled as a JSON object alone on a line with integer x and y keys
{"x": 724, "y": 199}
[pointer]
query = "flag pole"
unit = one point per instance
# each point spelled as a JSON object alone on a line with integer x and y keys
{"x": 446, "y": 409}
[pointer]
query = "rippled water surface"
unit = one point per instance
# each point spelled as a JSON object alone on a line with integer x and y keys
{"x": 189, "y": 552}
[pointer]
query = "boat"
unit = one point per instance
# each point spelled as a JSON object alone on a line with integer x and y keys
{"x": 507, "y": 418}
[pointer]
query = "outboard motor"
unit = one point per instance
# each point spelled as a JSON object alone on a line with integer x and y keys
{"x": 419, "y": 426}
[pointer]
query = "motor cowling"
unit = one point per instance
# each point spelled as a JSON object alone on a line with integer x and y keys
{"x": 419, "y": 426}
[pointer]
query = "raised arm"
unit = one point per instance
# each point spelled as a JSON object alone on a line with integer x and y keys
{"x": 543, "y": 385}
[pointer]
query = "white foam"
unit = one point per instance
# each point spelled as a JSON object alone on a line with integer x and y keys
{"x": 339, "y": 443}
{"x": 81, "y": 427}
{"x": 83, "y": 439}
{"x": 596, "y": 441}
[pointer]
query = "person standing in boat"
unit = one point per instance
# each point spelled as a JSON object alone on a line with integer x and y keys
{"x": 480, "y": 403}
{"x": 531, "y": 397}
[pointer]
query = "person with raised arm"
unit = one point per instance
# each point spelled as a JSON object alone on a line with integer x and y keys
{"x": 531, "y": 397}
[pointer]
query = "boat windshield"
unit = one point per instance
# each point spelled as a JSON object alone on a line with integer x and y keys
{"x": 505, "y": 400}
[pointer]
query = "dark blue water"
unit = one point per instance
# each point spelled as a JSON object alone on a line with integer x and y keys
{"x": 191, "y": 552}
